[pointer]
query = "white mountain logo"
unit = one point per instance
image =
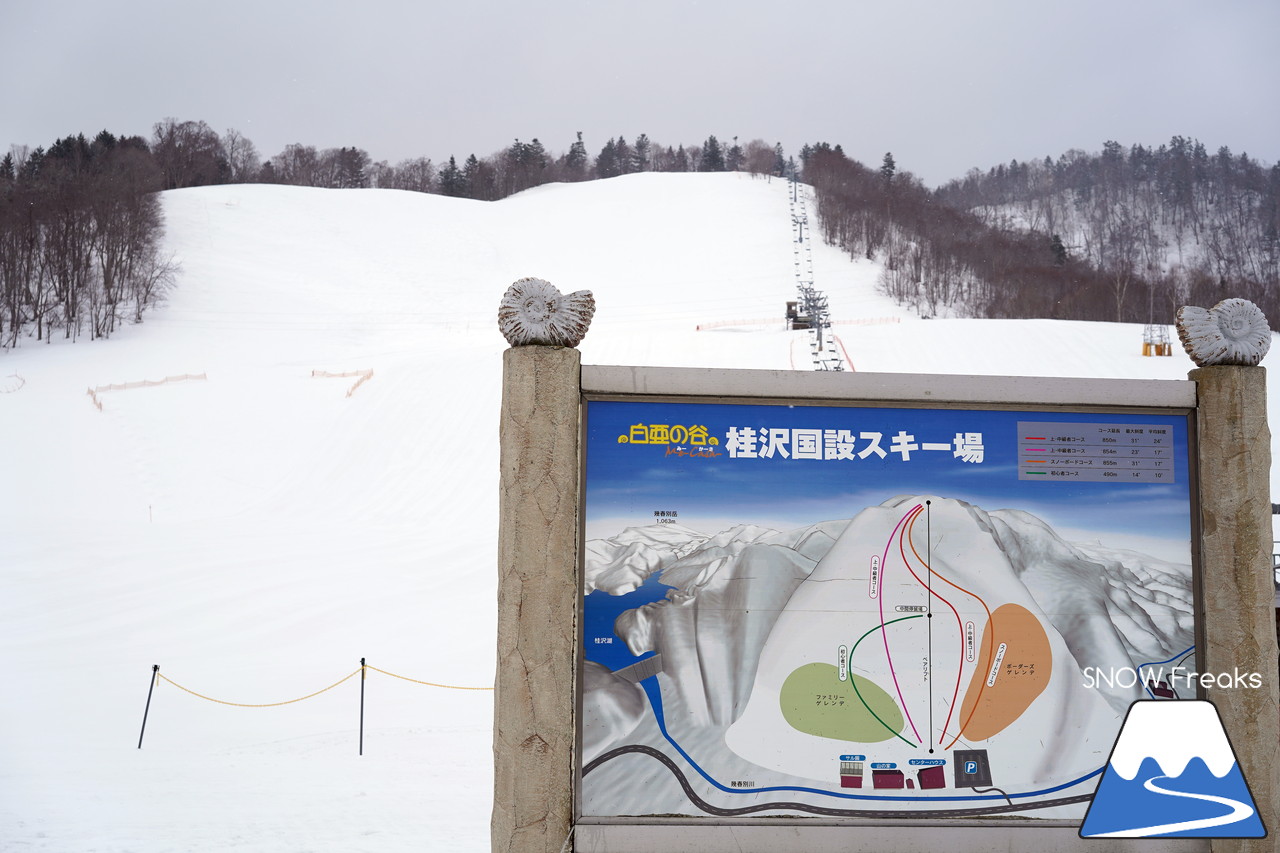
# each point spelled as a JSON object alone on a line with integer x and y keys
{"x": 1173, "y": 774}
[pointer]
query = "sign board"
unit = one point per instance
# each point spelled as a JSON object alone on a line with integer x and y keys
{"x": 874, "y": 610}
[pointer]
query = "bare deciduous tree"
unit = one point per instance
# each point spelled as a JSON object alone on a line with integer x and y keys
{"x": 759, "y": 157}
{"x": 243, "y": 162}
{"x": 189, "y": 154}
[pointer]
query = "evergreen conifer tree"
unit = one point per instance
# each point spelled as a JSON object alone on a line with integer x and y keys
{"x": 681, "y": 163}
{"x": 104, "y": 141}
{"x": 1058, "y": 250}
{"x": 712, "y": 156}
{"x": 607, "y": 161}
{"x": 622, "y": 154}
{"x": 640, "y": 153}
{"x": 733, "y": 157}
{"x": 888, "y": 168}
{"x": 471, "y": 179}
{"x": 452, "y": 182}
{"x": 535, "y": 156}
{"x": 575, "y": 162}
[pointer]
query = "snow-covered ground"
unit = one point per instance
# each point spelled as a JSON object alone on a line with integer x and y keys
{"x": 257, "y": 532}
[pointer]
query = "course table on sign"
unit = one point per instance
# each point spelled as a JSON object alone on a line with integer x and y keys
{"x": 1095, "y": 452}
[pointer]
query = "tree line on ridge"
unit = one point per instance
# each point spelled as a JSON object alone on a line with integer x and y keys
{"x": 1123, "y": 235}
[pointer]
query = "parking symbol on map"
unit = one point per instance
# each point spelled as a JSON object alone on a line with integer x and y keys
{"x": 972, "y": 768}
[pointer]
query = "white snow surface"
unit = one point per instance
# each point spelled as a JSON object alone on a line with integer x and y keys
{"x": 257, "y": 532}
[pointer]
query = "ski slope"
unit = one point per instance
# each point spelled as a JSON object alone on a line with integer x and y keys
{"x": 257, "y": 532}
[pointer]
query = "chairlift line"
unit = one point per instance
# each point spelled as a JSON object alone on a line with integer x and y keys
{"x": 811, "y": 310}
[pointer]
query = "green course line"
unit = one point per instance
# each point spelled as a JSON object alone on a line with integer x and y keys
{"x": 853, "y": 682}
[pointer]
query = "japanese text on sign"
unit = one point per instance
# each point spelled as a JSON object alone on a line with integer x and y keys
{"x": 668, "y": 434}
{"x": 1095, "y": 452}
{"x": 838, "y": 444}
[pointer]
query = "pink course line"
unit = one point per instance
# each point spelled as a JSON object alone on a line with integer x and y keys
{"x": 885, "y": 634}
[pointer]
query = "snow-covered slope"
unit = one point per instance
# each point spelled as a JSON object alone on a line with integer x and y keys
{"x": 257, "y": 532}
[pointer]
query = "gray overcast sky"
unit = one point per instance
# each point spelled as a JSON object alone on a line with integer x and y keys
{"x": 945, "y": 86}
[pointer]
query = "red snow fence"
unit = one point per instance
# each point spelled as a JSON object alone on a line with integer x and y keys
{"x": 145, "y": 383}
{"x": 782, "y": 323}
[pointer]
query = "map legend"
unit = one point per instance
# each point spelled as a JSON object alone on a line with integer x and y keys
{"x": 1095, "y": 452}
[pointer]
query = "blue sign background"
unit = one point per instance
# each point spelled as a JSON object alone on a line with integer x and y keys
{"x": 630, "y": 481}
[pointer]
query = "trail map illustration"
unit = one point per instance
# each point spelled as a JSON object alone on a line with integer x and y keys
{"x": 871, "y": 612}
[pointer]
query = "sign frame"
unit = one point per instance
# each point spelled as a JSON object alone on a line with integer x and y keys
{"x": 1174, "y": 398}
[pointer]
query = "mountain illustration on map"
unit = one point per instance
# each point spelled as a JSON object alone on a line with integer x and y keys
{"x": 1173, "y": 774}
{"x": 925, "y": 653}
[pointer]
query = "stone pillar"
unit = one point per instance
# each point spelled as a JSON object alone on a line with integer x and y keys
{"x": 1237, "y": 590}
{"x": 538, "y": 595}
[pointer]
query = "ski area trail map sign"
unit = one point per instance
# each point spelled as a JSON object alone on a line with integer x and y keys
{"x": 874, "y": 612}
{"x": 746, "y": 611}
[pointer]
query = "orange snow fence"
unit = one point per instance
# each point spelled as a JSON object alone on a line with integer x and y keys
{"x": 363, "y": 672}
{"x": 145, "y": 383}
{"x": 259, "y": 704}
{"x": 365, "y": 376}
{"x": 364, "y": 668}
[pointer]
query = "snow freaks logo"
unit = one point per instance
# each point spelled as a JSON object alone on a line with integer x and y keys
{"x": 1172, "y": 774}
{"x": 1163, "y": 682}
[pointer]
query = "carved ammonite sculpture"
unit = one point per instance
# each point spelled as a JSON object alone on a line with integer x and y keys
{"x": 532, "y": 311}
{"x": 1234, "y": 331}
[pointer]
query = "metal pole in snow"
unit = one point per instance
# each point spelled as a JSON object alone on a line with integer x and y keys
{"x": 155, "y": 673}
{"x": 363, "y": 673}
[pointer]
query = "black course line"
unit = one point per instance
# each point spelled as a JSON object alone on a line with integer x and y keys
{"x": 931, "y": 814}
